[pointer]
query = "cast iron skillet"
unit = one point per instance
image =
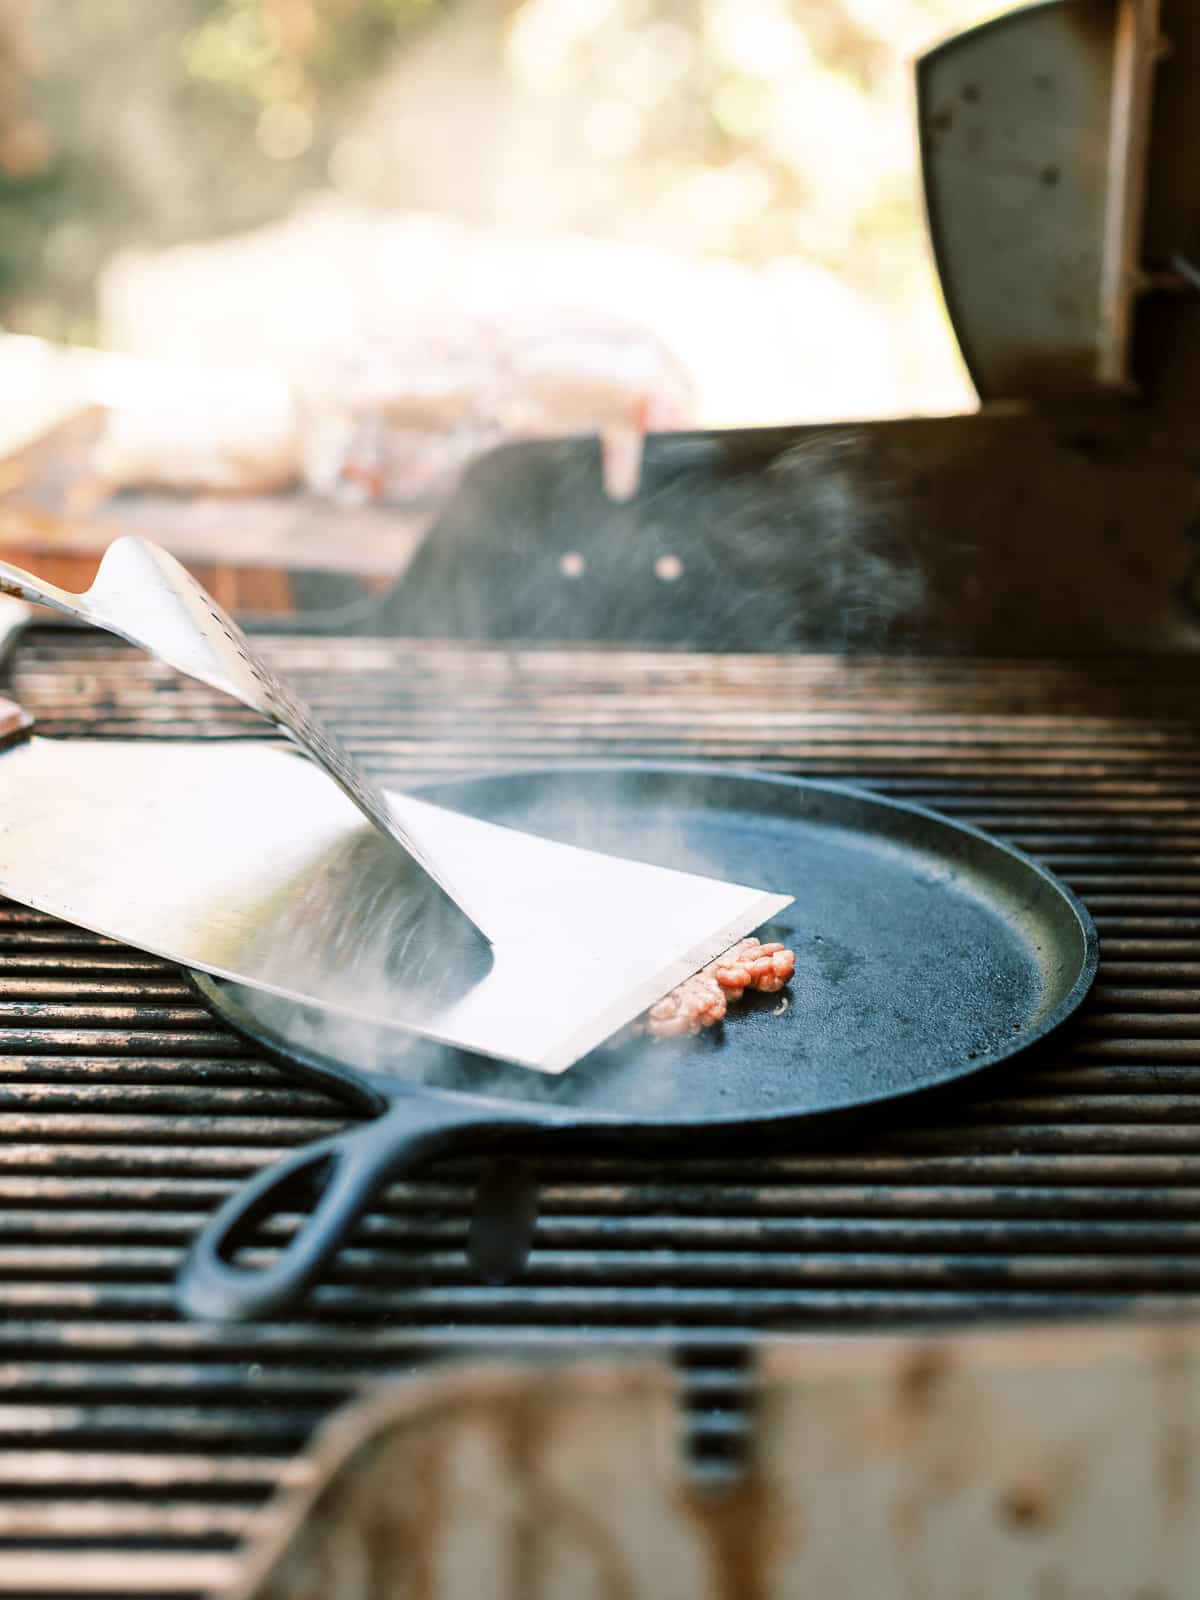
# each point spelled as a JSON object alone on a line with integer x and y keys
{"x": 926, "y": 951}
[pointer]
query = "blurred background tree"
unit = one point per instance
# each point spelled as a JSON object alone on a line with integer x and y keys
{"x": 150, "y": 121}
{"x": 749, "y": 129}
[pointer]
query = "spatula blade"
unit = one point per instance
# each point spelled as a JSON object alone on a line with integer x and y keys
{"x": 242, "y": 860}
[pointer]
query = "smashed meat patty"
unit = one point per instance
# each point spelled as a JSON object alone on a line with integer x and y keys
{"x": 703, "y": 999}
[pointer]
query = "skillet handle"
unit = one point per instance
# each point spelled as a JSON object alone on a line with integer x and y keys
{"x": 347, "y": 1171}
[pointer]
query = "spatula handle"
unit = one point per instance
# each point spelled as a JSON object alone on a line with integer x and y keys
{"x": 18, "y": 584}
{"x": 15, "y": 723}
{"x": 346, "y": 1173}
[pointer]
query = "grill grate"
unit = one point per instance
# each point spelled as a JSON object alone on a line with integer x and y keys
{"x": 127, "y": 1113}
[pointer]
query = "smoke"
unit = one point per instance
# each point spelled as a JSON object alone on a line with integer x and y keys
{"x": 364, "y": 933}
{"x": 367, "y": 932}
{"x": 738, "y": 542}
{"x": 324, "y": 1036}
{"x": 735, "y": 543}
{"x": 612, "y": 1078}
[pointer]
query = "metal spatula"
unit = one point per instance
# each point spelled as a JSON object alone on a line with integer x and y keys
{"x": 144, "y": 595}
{"x": 245, "y": 862}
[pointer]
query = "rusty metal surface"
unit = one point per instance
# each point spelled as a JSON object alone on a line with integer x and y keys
{"x": 127, "y": 1114}
{"x": 992, "y": 1466}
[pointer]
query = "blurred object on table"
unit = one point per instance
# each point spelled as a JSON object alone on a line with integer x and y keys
{"x": 278, "y": 554}
{"x": 394, "y": 410}
{"x": 763, "y": 342}
{"x": 399, "y": 413}
{"x": 377, "y": 426}
{"x": 225, "y": 430}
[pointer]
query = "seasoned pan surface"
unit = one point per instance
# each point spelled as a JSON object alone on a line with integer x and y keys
{"x": 925, "y": 951}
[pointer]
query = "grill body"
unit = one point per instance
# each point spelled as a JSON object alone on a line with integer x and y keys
{"x": 135, "y": 1449}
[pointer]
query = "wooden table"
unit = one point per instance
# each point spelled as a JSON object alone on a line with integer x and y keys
{"x": 270, "y": 554}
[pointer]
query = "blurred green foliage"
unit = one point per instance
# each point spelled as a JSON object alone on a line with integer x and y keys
{"x": 263, "y": 51}
{"x": 150, "y": 121}
{"x": 752, "y": 129}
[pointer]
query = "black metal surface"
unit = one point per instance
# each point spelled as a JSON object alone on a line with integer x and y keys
{"x": 925, "y": 951}
{"x": 136, "y": 1447}
{"x": 756, "y": 539}
{"x": 875, "y": 537}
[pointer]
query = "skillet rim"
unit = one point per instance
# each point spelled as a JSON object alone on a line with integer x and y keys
{"x": 378, "y": 1091}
